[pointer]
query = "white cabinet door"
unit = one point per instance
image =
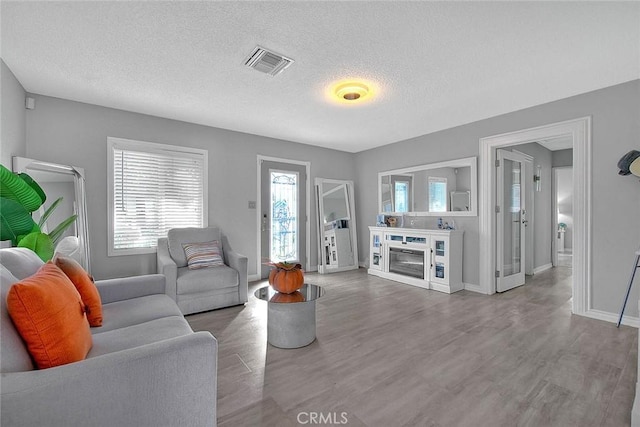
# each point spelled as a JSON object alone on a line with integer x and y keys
{"x": 376, "y": 252}
{"x": 440, "y": 259}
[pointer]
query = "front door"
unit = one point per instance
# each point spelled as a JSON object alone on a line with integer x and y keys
{"x": 511, "y": 220}
{"x": 283, "y": 217}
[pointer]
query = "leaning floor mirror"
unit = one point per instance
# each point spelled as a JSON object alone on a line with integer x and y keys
{"x": 67, "y": 182}
{"x": 337, "y": 239}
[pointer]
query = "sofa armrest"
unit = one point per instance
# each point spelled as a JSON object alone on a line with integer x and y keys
{"x": 166, "y": 266}
{"x": 170, "y": 382}
{"x": 130, "y": 287}
{"x": 239, "y": 263}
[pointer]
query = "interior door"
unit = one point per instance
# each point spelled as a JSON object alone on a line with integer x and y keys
{"x": 511, "y": 220}
{"x": 283, "y": 217}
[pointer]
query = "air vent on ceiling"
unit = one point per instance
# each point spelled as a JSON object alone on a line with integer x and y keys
{"x": 267, "y": 62}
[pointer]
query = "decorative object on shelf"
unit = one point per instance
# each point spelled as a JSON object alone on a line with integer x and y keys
{"x": 281, "y": 298}
{"x": 20, "y": 195}
{"x": 630, "y": 163}
{"x": 286, "y": 277}
{"x": 537, "y": 178}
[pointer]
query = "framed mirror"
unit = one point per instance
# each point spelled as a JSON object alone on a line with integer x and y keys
{"x": 438, "y": 189}
{"x": 337, "y": 238}
{"x": 67, "y": 182}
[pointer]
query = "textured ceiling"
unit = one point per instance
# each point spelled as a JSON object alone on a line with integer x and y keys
{"x": 436, "y": 64}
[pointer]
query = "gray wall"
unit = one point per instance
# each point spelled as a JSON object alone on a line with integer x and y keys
{"x": 13, "y": 135}
{"x": 68, "y": 132}
{"x": 562, "y": 158}
{"x": 565, "y": 203}
{"x": 615, "y": 199}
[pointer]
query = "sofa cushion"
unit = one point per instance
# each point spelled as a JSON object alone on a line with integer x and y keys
{"x": 134, "y": 311}
{"x": 177, "y": 237}
{"x": 14, "y": 356}
{"x": 139, "y": 335}
{"x": 21, "y": 262}
{"x": 50, "y": 316}
{"x": 85, "y": 286}
{"x": 204, "y": 279}
{"x": 203, "y": 255}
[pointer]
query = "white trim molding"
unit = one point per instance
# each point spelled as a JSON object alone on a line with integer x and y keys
{"x": 580, "y": 131}
{"x": 542, "y": 268}
{"x": 472, "y": 287}
{"x": 612, "y": 318}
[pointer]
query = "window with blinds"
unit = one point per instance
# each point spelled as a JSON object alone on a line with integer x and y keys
{"x": 153, "y": 188}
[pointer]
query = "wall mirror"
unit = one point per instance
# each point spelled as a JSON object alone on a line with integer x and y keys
{"x": 337, "y": 239}
{"x": 67, "y": 182}
{"x": 438, "y": 189}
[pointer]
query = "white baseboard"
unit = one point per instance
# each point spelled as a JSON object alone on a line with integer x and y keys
{"x": 613, "y": 318}
{"x": 542, "y": 268}
{"x": 474, "y": 288}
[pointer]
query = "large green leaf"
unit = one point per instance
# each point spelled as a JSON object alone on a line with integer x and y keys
{"x": 57, "y": 232}
{"x": 14, "y": 187}
{"x": 14, "y": 220}
{"x": 39, "y": 243}
{"x": 34, "y": 185}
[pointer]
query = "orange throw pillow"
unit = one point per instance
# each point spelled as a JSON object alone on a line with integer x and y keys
{"x": 84, "y": 284}
{"x": 49, "y": 315}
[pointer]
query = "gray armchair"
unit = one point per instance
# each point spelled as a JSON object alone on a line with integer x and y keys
{"x": 205, "y": 288}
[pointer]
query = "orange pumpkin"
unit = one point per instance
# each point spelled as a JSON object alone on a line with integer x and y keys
{"x": 286, "y": 278}
{"x": 296, "y": 296}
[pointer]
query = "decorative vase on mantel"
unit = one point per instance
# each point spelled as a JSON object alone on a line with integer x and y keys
{"x": 286, "y": 277}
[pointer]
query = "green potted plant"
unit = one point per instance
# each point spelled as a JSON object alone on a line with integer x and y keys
{"x": 20, "y": 196}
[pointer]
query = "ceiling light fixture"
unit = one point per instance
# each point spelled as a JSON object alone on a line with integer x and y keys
{"x": 351, "y": 91}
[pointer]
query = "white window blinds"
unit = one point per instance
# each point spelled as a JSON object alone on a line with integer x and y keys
{"x": 155, "y": 188}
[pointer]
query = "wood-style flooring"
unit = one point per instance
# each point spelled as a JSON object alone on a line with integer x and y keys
{"x": 389, "y": 354}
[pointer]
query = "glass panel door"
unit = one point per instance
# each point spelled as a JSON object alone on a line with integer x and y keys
{"x": 510, "y": 220}
{"x": 284, "y": 216}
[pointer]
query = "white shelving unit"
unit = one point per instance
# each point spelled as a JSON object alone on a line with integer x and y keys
{"x": 430, "y": 259}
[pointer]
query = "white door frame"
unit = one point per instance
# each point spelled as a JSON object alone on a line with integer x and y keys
{"x": 307, "y": 165}
{"x": 580, "y": 132}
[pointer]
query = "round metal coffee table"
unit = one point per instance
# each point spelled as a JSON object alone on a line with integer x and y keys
{"x": 291, "y": 321}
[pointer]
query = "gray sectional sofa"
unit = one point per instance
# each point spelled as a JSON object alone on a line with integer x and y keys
{"x": 146, "y": 367}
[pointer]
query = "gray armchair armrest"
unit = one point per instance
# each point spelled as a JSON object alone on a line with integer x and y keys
{"x": 148, "y": 385}
{"x": 168, "y": 267}
{"x": 130, "y": 287}
{"x": 239, "y": 262}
